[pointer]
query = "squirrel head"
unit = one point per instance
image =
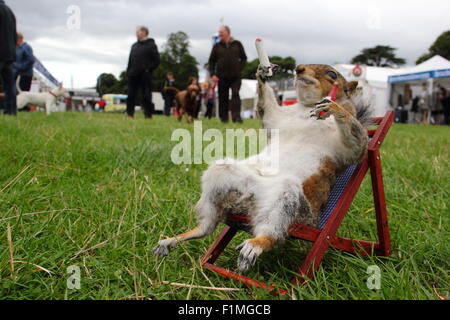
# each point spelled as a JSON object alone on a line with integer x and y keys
{"x": 313, "y": 82}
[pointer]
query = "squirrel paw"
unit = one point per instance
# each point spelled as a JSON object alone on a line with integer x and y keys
{"x": 322, "y": 110}
{"x": 163, "y": 247}
{"x": 264, "y": 73}
{"x": 247, "y": 256}
{"x": 325, "y": 108}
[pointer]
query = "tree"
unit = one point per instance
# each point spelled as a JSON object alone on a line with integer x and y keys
{"x": 379, "y": 56}
{"x": 441, "y": 47}
{"x": 177, "y": 59}
{"x": 106, "y": 83}
{"x": 286, "y": 67}
{"x": 121, "y": 85}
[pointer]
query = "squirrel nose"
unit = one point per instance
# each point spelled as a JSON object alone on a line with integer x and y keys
{"x": 299, "y": 69}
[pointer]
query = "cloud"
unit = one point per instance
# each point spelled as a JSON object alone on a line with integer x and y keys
{"x": 310, "y": 31}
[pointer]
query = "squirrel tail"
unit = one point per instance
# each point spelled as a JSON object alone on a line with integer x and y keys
{"x": 364, "y": 110}
{"x": 364, "y": 114}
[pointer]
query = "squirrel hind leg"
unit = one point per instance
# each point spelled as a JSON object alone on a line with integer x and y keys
{"x": 278, "y": 209}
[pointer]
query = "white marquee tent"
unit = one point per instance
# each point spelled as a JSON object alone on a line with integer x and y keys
{"x": 407, "y": 84}
{"x": 378, "y": 83}
{"x": 374, "y": 81}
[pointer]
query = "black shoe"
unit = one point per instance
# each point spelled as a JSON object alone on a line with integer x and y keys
{"x": 239, "y": 120}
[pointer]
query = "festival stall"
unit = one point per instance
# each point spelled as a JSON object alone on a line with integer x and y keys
{"x": 417, "y": 90}
{"x": 248, "y": 94}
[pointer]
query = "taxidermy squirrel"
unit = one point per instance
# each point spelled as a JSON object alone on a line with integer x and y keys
{"x": 317, "y": 139}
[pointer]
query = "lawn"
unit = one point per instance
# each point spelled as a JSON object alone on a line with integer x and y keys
{"x": 98, "y": 191}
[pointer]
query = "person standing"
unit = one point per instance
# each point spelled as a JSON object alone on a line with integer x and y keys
{"x": 101, "y": 105}
{"x": 210, "y": 97}
{"x": 24, "y": 63}
{"x": 169, "y": 95}
{"x": 144, "y": 59}
{"x": 8, "y": 37}
{"x": 226, "y": 62}
{"x": 445, "y": 100}
{"x": 424, "y": 104}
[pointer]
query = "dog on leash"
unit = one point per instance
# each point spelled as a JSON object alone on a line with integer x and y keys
{"x": 186, "y": 101}
{"x": 45, "y": 100}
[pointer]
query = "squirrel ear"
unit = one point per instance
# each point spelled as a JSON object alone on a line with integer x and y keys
{"x": 350, "y": 86}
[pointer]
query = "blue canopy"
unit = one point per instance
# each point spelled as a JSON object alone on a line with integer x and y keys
{"x": 435, "y": 74}
{"x": 434, "y": 68}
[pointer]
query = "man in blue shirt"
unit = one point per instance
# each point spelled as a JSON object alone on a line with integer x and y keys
{"x": 24, "y": 63}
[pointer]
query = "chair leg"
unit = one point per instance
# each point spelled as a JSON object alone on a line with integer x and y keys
{"x": 208, "y": 259}
{"x": 312, "y": 260}
{"x": 380, "y": 203}
{"x": 223, "y": 239}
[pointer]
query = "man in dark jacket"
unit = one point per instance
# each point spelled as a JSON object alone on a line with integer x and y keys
{"x": 226, "y": 62}
{"x": 144, "y": 59}
{"x": 24, "y": 63}
{"x": 8, "y": 36}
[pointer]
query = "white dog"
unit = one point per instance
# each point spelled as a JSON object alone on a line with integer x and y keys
{"x": 45, "y": 100}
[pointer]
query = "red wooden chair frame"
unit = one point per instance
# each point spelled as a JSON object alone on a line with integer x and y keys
{"x": 325, "y": 237}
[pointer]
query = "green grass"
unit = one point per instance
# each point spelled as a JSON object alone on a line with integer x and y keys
{"x": 98, "y": 191}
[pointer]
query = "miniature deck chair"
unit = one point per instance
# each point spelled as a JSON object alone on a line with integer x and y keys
{"x": 340, "y": 199}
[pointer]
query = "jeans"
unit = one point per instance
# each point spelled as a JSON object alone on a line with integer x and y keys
{"x": 209, "y": 108}
{"x": 8, "y": 75}
{"x": 24, "y": 82}
{"x": 225, "y": 104}
{"x": 143, "y": 82}
{"x": 168, "y": 104}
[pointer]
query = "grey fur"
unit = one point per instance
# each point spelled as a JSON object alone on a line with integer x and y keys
{"x": 274, "y": 201}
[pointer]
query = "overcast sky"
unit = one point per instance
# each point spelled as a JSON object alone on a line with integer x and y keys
{"x": 310, "y": 31}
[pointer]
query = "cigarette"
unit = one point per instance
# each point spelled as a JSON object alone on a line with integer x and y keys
{"x": 262, "y": 55}
{"x": 333, "y": 92}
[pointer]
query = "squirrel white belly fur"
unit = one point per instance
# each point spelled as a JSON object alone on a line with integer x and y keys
{"x": 316, "y": 142}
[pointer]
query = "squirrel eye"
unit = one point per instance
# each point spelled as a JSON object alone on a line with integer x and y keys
{"x": 332, "y": 74}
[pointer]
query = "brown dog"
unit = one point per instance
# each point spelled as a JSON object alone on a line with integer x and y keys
{"x": 186, "y": 101}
